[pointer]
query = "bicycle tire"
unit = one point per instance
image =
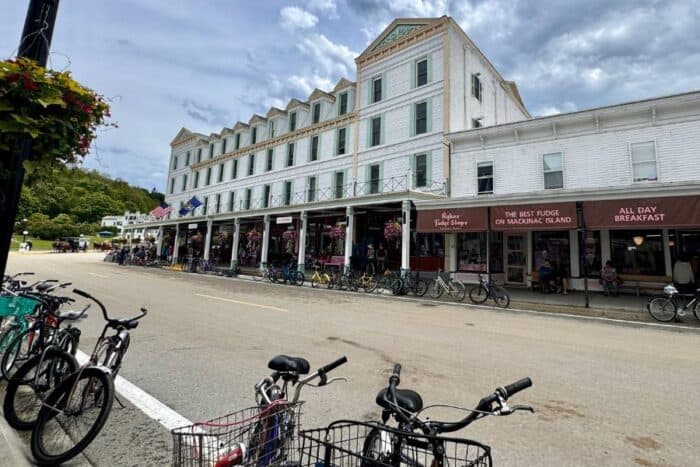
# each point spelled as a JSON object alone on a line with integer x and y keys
{"x": 500, "y": 296}
{"x": 371, "y": 454}
{"x": 56, "y": 401}
{"x": 315, "y": 282}
{"x": 420, "y": 288}
{"x": 370, "y": 285}
{"x": 6, "y": 338}
{"x": 345, "y": 282}
{"x": 24, "y": 390}
{"x": 478, "y": 294}
{"x": 15, "y": 354}
{"x": 696, "y": 311}
{"x": 299, "y": 279}
{"x": 459, "y": 293}
{"x": 435, "y": 290}
{"x": 662, "y": 309}
{"x": 397, "y": 286}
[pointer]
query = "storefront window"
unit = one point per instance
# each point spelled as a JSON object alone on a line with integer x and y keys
{"x": 686, "y": 244}
{"x": 428, "y": 244}
{"x": 638, "y": 252}
{"x": 553, "y": 247}
{"x": 471, "y": 251}
{"x": 592, "y": 259}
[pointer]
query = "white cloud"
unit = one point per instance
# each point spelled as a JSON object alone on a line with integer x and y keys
{"x": 333, "y": 60}
{"x": 327, "y": 7}
{"x": 554, "y": 110}
{"x": 306, "y": 84}
{"x": 292, "y": 18}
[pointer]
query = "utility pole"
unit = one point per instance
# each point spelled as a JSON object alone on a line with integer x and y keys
{"x": 34, "y": 44}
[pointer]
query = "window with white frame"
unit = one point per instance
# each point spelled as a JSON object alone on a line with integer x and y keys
{"x": 374, "y": 181}
{"x": 292, "y": 121}
{"x": 266, "y": 196}
{"x": 339, "y": 184}
{"x": 376, "y": 89}
{"x": 311, "y": 193}
{"x": 421, "y": 113}
{"x": 314, "y": 148}
{"x": 422, "y": 72}
{"x": 271, "y": 129}
{"x": 421, "y": 166}
{"x": 287, "y": 193}
{"x": 553, "y": 171}
{"x": 341, "y": 141}
{"x": 343, "y": 106}
{"x": 476, "y": 87}
{"x": 251, "y": 164}
{"x": 316, "y": 113}
{"x": 268, "y": 162}
{"x": 254, "y": 135}
{"x": 643, "y": 161}
{"x": 290, "y": 154}
{"x": 376, "y": 131}
{"x": 484, "y": 177}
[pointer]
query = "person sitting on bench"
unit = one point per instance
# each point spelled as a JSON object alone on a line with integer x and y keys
{"x": 608, "y": 279}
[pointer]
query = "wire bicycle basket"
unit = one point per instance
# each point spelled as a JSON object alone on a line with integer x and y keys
{"x": 347, "y": 443}
{"x": 11, "y": 305}
{"x": 256, "y": 436}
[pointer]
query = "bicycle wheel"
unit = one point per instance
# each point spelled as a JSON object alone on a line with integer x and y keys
{"x": 315, "y": 281}
{"x": 18, "y": 351}
{"x": 459, "y": 292}
{"x": 662, "y": 309}
{"x": 32, "y": 383}
{"x": 396, "y": 286}
{"x": 370, "y": 285}
{"x": 298, "y": 278}
{"x": 500, "y": 296}
{"x": 435, "y": 290}
{"x": 6, "y": 338}
{"x": 696, "y": 311}
{"x": 345, "y": 282}
{"x": 478, "y": 294}
{"x": 377, "y": 448}
{"x": 73, "y": 415}
{"x": 420, "y": 287}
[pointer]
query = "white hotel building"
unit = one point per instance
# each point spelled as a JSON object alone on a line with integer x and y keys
{"x": 430, "y": 130}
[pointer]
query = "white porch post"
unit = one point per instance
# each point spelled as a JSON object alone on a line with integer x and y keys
{"x": 406, "y": 238}
{"x": 207, "y": 240}
{"x": 575, "y": 270}
{"x": 159, "y": 241}
{"x": 301, "y": 261}
{"x": 349, "y": 234}
{"x": 265, "y": 242}
{"x": 667, "y": 253}
{"x": 452, "y": 262}
{"x": 176, "y": 243}
{"x": 604, "y": 247}
{"x": 234, "y": 245}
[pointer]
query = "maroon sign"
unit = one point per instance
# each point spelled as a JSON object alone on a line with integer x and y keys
{"x": 643, "y": 213}
{"x": 555, "y": 216}
{"x": 452, "y": 220}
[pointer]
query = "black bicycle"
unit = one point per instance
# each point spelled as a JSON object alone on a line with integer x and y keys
{"x": 405, "y": 406}
{"x": 488, "y": 289}
{"x": 74, "y": 413}
{"x": 673, "y": 304}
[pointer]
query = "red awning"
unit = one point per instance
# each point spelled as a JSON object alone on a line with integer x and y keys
{"x": 551, "y": 216}
{"x": 452, "y": 220}
{"x": 646, "y": 213}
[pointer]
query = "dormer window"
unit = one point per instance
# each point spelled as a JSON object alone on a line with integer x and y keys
{"x": 292, "y": 121}
{"x": 254, "y": 135}
{"x": 238, "y": 141}
{"x": 343, "y": 106}
{"x": 316, "y": 115}
{"x": 271, "y": 129}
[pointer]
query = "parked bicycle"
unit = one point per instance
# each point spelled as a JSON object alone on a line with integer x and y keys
{"x": 289, "y": 274}
{"x": 414, "y": 284}
{"x": 267, "y": 274}
{"x": 674, "y": 304}
{"x": 320, "y": 278}
{"x": 488, "y": 289}
{"x": 85, "y": 398}
{"x": 262, "y": 435}
{"x": 452, "y": 287}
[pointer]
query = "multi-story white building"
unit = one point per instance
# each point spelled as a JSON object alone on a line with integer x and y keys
{"x": 133, "y": 223}
{"x": 618, "y": 183}
{"x": 330, "y": 172}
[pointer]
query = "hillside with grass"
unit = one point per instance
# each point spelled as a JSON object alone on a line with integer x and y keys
{"x": 60, "y": 202}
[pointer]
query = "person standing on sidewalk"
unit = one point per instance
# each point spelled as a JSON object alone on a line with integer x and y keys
{"x": 683, "y": 275}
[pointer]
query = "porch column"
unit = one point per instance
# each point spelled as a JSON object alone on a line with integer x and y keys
{"x": 604, "y": 246}
{"x": 176, "y": 243}
{"x": 667, "y": 253}
{"x": 574, "y": 254}
{"x": 159, "y": 241}
{"x": 234, "y": 245}
{"x": 301, "y": 261}
{"x": 265, "y": 242}
{"x": 406, "y": 238}
{"x": 207, "y": 240}
{"x": 349, "y": 234}
{"x": 452, "y": 262}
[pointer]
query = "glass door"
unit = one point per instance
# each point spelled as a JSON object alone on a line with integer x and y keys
{"x": 516, "y": 258}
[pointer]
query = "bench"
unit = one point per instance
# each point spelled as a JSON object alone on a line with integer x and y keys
{"x": 638, "y": 282}
{"x": 335, "y": 261}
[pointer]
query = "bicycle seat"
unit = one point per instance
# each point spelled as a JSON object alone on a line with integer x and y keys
{"x": 44, "y": 286}
{"x": 69, "y": 315}
{"x": 123, "y": 323}
{"x": 286, "y": 364}
{"x": 406, "y": 399}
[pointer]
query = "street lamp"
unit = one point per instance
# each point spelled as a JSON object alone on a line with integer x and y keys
{"x": 25, "y": 233}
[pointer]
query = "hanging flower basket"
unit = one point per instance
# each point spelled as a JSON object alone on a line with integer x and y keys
{"x": 253, "y": 235}
{"x": 56, "y": 112}
{"x": 337, "y": 232}
{"x": 392, "y": 230}
{"x": 289, "y": 234}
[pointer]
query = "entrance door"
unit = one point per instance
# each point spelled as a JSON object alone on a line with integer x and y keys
{"x": 516, "y": 258}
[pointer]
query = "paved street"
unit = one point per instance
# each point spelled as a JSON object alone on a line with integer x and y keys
{"x": 604, "y": 394}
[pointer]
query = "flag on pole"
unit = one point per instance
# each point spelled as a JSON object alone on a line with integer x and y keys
{"x": 161, "y": 211}
{"x": 190, "y": 205}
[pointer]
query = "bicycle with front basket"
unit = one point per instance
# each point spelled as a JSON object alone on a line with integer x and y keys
{"x": 259, "y": 436}
{"x": 670, "y": 306}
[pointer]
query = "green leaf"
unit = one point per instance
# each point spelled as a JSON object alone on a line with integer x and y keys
{"x": 5, "y": 106}
{"x": 50, "y": 101}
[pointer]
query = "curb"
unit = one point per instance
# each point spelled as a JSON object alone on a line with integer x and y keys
{"x": 11, "y": 446}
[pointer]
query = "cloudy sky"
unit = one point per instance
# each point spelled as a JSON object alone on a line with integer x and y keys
{"x": 204, "y": 65}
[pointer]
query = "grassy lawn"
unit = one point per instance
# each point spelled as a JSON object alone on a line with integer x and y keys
{"x": 47, "y": 245}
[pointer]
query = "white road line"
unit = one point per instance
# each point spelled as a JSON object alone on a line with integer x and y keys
{"x": 145, "y": 402}
{"x": 267, "y": 307}
{"x": 98, "y": 275}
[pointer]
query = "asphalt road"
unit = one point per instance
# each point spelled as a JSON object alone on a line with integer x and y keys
{"x": 604, "y": 394}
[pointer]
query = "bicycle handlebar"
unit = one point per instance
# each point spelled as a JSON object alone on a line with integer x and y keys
{"x": 332, "y": 366}
{"x": 514, "y": 388}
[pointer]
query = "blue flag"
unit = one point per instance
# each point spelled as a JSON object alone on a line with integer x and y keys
{"x": 194, "y": 203}
{"x": 189, "y": 206}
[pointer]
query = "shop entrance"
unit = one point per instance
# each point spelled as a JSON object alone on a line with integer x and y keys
{"x": 516, "y": 257}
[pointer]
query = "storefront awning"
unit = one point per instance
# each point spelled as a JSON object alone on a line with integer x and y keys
{"x": 550, "y": 216}
{"x": 452, "y": 220}
{"x": 679, "y": 212}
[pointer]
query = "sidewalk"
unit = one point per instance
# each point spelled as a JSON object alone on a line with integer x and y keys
{"x": 11, "y": 447}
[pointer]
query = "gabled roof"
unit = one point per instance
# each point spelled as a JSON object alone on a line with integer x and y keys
{"x": 240, "y": 126}
{"x": 274, "y": 111}
{"x": 342, "y": 84}
{"x": 181, "y": 135}
{"x": 399, "y": 29}
{"x": 318, "y": 94}
{"x": 294, "y": 102}
{"x": 257, "y": 119}
{"x": 226, "y": 131}
{"x": 214, "y": 137}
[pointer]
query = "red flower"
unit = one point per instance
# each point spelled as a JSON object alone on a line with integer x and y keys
{"x": 12, "y": 78}
{"x": 30, "y": 85}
